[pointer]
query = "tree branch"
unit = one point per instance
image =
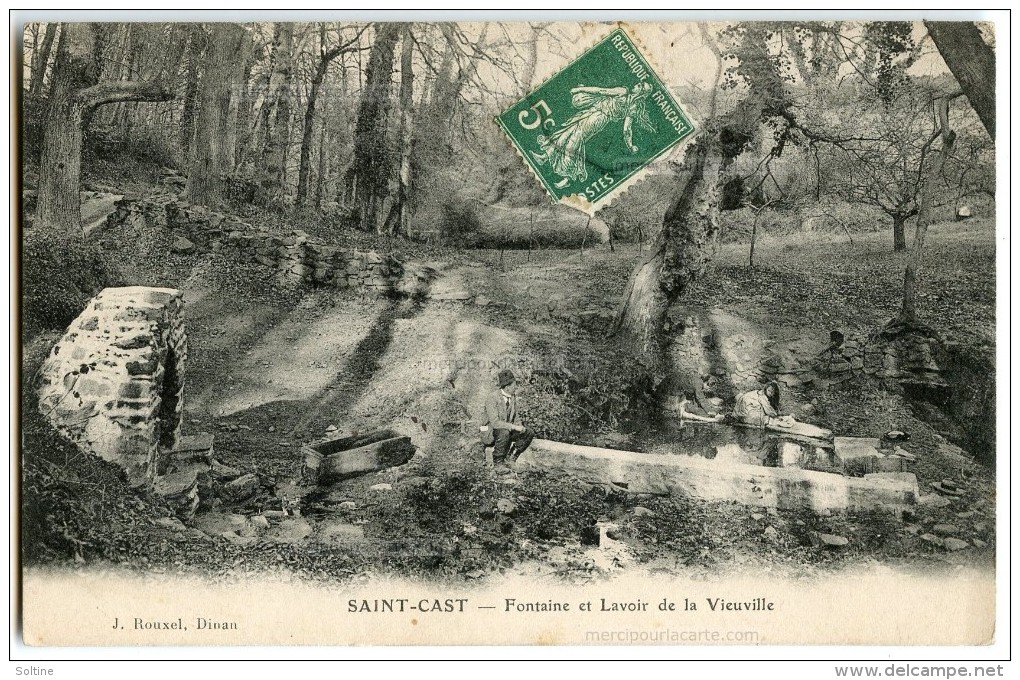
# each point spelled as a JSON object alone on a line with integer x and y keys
{"x": 124, "y": 91}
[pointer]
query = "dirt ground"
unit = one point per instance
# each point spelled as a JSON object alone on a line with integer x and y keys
{"x": 270, "y": 369}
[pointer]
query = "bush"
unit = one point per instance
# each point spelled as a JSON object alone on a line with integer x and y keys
{"x": 144, "y": 145}
{"x": 59, "y": 276}
{"x": 459, "y": 218}
{"x": 637, "y": 215}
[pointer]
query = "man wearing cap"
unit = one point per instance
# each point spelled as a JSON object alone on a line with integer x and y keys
{"x": 500, "y": 426}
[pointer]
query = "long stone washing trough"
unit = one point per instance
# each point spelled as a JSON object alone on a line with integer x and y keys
{"x": 713, "y": 480}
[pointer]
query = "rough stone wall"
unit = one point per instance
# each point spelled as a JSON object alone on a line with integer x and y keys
{"x": 902, "y": 361}
{"x": 740, "y": 359}
{"x": 114, "y": 382}
{"x": 296, "y": 258}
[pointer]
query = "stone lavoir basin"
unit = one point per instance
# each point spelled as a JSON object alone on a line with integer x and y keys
{"x": 716, "y": 462}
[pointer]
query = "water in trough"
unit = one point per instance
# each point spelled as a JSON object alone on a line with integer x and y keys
{"x": 738, "y": 444}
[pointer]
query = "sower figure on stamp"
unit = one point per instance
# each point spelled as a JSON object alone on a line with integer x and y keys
{"x": 501, "y": 427}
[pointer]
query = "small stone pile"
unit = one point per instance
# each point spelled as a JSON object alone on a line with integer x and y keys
{"x": 862, "y": 456}
{"x": 296, "y": 257}
{"x": 172, "y": 179}
{"x": 906, "y": 359}
{"x": 188, "y": 475}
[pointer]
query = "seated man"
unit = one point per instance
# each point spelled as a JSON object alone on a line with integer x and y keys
{"x": 500, "y": 425}
{"x": 761, "y": 407}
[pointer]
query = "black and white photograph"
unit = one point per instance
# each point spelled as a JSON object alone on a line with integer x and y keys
{"x": 509, "y": 331}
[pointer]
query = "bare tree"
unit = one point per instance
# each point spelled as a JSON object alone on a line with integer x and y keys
{"x": 209, "y": 161}
{"x": 367, "y": 179}
{"x": 326, "y": 57}
{"x": 884, "y": 166}
{"x": 41, "y": 61}
{"x": 925, "y": 215}
{"x": 400, "y": 213}
{"x": 76, "y": 93}
{"x": 196, "y": 45}
{"x": 273, "y": 166}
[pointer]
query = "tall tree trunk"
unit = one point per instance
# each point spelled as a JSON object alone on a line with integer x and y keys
{"x": 320, "y": 176}
{"x": 76, "y": 93}
{"x": 274, "y": 153}
{"x": 679, "y": 252}
{"x": 260, "y": 129}
{"x": 40, "y": 61}
{"x": 33, "y": 31}
{"x": 367, "y": 179}
{"x": 402, "y": 205}
{"x": 433, "y": 136}
{"x": 208, "y": 164}
{"x": 59, "y": 203}
{"x": 683, "y": 247}
{"x": 36, "y": 105}
{"x": 304, "y": 166}
{"x": 237, "y": 94}
{"x": 972, "y": 62}
{"x": 899, "y": 232}
{"x": 925, "y": 217}
{"x": 244, "y": 108}
{"x": 307, "y": 128}
{"x": 122, "y": 119}
{"x": 120, "y": 69}
{"x": 196, "y": 43}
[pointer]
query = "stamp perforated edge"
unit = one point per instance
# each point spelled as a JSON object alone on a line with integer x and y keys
{"x": 578, "y": 201}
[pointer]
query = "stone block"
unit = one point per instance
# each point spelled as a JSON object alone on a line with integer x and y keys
{"x": 242, "y": 488}
{"x": 355, "y": 455}
{"x": 224, "y": 472}
{"x": 180, "y": 490}
{"x": 832, "y": 541}
{"x": 300, "y": 270}
{"x": 790, "y": 454}
{"x": 711, "y": 480}
{"x": 851, "y": 448}
{"x": 194, "y": 448}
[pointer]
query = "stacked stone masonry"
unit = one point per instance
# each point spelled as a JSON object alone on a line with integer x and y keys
{"x": 904, "y": 360}
{"x": 295, "y": 257}
{"x": 114, "y": 382}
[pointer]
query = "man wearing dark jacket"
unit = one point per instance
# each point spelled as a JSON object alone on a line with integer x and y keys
{"x": 500, "y": 423}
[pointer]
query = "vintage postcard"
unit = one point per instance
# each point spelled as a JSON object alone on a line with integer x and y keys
{"x": 510, "y": 332}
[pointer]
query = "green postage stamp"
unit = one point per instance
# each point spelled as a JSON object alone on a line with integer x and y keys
{"x": 589, "y": 131}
